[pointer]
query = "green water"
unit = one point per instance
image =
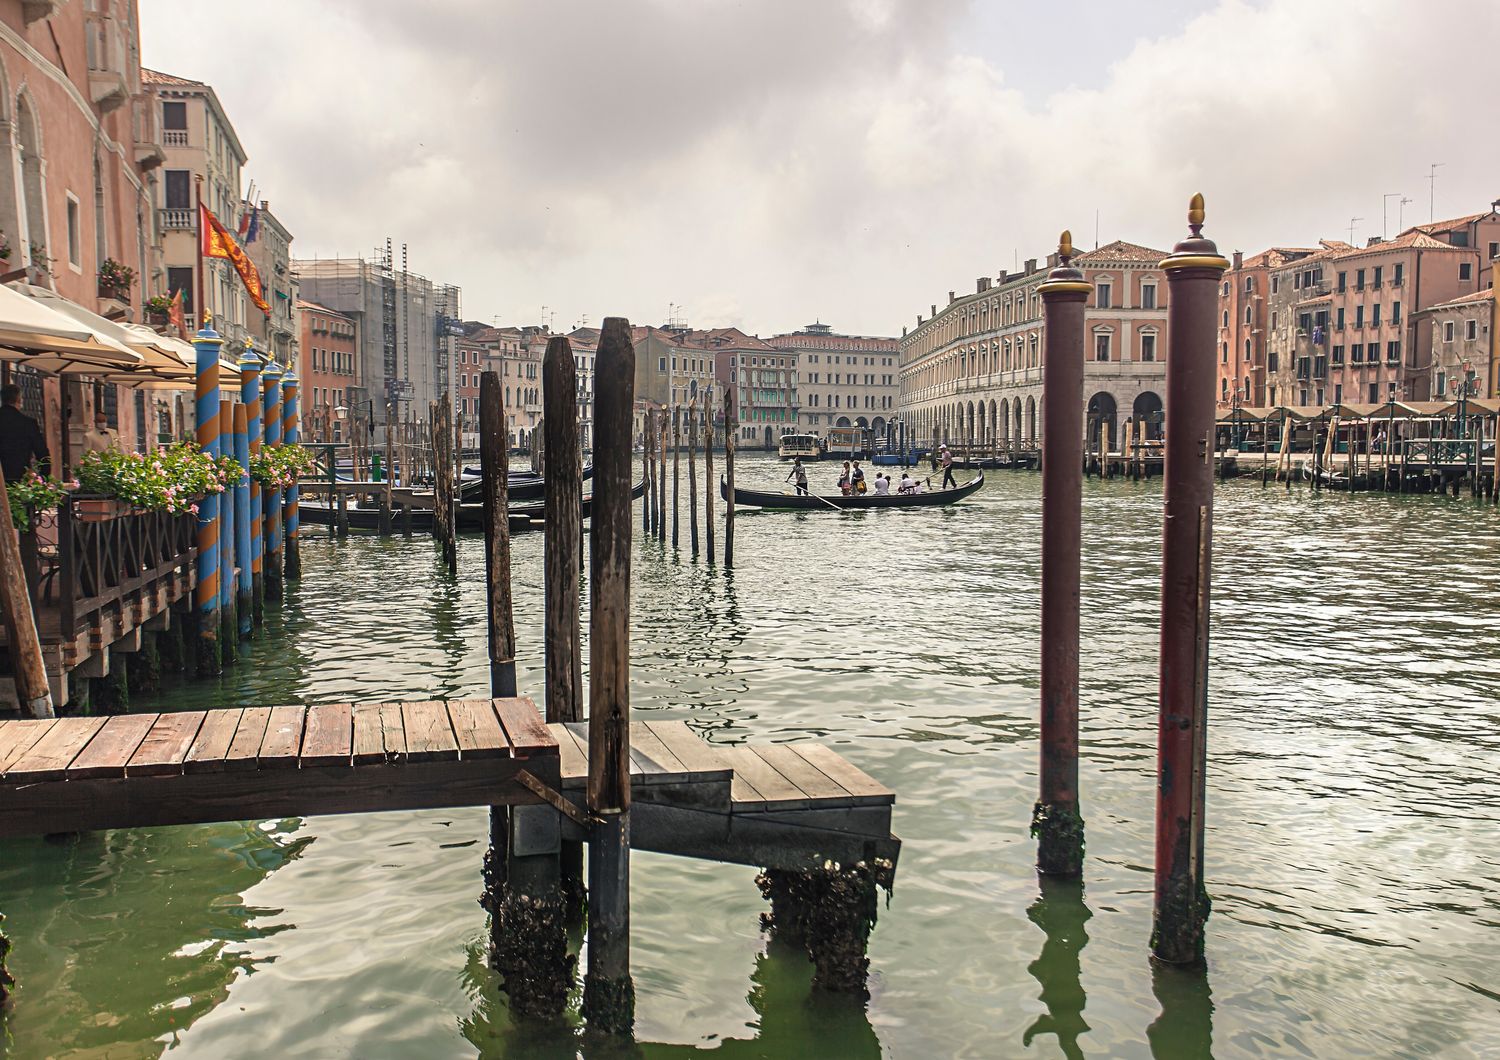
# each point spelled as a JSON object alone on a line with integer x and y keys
{"x": 1354, "y": 793}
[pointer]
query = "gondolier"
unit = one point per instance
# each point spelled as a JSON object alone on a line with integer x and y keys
{"x": 947, "y": 458}
{"x": 799, "y": 474}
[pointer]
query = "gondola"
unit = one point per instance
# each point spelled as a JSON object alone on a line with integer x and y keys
{"x": 857, "y": 502}
{"x": 470, "y": 516}
{"x": 519, "y": 485}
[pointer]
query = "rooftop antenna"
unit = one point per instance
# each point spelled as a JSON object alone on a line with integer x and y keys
{"x": 1385, "y": 203}
{"x": 1432, "y": 191}
{"x": 1401, "y": 213}
{"x": 1096, "y": 229}
{"x": 1352, "y": 222}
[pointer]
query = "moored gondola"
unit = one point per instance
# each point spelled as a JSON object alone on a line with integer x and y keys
{"x": 856, "y": 502}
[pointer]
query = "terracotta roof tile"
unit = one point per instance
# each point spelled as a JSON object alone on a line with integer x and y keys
{"x": 1452, "y": 223}
{"x": 1487, "y": 295}
{"x": 1120, "y": 250}
{"x": 156, "y": 77}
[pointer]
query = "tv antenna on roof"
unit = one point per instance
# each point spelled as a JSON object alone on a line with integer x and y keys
{"x": 1352, "y": 222}
{"x": 1432, "y": 190}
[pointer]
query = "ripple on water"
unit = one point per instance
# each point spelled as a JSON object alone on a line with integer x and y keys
{"x": 1354, "y": 788}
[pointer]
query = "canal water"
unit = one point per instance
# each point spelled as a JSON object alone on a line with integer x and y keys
{"x": 1354, "y": 803}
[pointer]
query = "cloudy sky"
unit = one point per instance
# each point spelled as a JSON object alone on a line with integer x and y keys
{"x": 767, "y": 163}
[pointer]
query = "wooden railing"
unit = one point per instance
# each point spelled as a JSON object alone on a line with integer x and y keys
{"x": 1440, "y": 450}
{"x": 109, "y": 554}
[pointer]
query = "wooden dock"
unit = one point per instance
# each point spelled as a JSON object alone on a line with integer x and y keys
{"x": 782, "y": 806}
{"x": 194, "y": 767}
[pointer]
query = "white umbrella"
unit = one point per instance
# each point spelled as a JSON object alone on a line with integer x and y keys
{"x": 33, "y": 331}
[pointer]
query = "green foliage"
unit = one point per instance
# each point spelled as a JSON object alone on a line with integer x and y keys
{"x": 171, "y": 479}
{"x": 115, "y": 276}
{"x": 158, "y": 304}
{"x": 34, "y": 493}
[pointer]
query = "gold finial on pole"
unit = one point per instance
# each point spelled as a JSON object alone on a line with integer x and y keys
{"x": 1196, "y": 213}
{"x": 1065, "y": 247}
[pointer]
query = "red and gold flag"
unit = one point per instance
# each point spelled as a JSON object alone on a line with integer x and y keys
{"x": 176, "y": 315}
{"x": 218, "y": 243}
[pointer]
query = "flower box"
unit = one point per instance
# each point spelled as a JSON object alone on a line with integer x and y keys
{"x": 98, "y": 509}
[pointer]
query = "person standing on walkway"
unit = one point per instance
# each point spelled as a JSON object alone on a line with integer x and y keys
{"x": 21, "y": 439}
{"x": 947, "y": 459}
{"x": 799, "y": 473}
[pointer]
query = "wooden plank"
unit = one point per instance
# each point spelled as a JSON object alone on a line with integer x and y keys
{"x": 16, "y": 738}
{"x": 815, "y": 783}
{"x": 580, "y": 732}
{"x": 393, "y": 732}
{"x": 162, "y": 751}
{"x": 525, "y": 727}
{"x": 429, "y": 736}
{"x": 853, "y": 779}
{"x": 49, "y": 757}
{"x": 369, "y": 743}
{"x": 107, "y": 752}
{"x": 477, "y": 729}
{"x": 283, "y": 742}
{"x": 759, "y": 787}
{"x": 194, "y": 798}
{"x": 211, "y": 745}
{"x": 244, "y": 749}
{"x": 648, "y": 745}
{"x": 695, "y": 754}
{"x": 328, "y": 739}
{"x": 575, "y": 760}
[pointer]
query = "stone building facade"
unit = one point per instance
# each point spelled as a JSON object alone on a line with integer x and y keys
{"x": 972, "y": 371}
{"x": 1462, "y": 335}
{"x": 1244, "y": 326}
{"x": 842, "y": 380}
{"x": 328, "y": 367}
{"x": 271, "y": 251}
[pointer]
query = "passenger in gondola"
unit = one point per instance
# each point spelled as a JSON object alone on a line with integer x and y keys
{"x": 908, "y": 484}
{"x": 844, "y": 480}
{"x": 857, "y": 479}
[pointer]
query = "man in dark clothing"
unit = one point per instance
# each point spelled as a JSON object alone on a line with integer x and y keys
{"x": 21, "y": 440}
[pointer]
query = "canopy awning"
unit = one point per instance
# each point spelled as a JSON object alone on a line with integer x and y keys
{"x": 37, "y": 333}
{"x": 1247, "y": 414}
{"x": 1474, "y": 406}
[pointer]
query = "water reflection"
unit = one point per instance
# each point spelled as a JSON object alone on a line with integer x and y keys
{"x": 1185, "y": 1028}
{"x": 791, "y": 1020}
{"x": 1061, "y": 914}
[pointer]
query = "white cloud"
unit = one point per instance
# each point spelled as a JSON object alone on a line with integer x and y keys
{"x": 769, "y": 163}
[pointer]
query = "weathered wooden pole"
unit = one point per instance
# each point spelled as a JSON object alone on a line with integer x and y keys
{"x": 692, "y": 475}
{"x": 229, "y": 624}
{"x": 386, "y": 487}
{"x": 608, "y": 991}
{"x": 270, "y": 378}
{"x": 243, "y": 546}
{"x": 493, "y": 463}
{"x": 710, "y": 484}
{"x": 731, "y": 432}
{"x": 206, "y": 594}
{"x": 650, "y": 490}
{"x": 1181, "y": 904}
{"x": 1056, "y": 822}
{"x": 291, "y": 434}
{"x": 432, "y": 444}
{"x": 661, "y": 476}
{"x": 676, "y": 469}
{"x": 24, "y": 644}
{"x": 563, "y": 538}
{"x": 450, "y": 489}
{"x": 250, "y": 365}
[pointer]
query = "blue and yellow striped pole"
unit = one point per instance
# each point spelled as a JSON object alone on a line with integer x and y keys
{"x": 245, "y": 587}
{"x": 206, "y": 592}
{"x": 228, "y": 622}
{"x": 270, "y": 377}
{"x": 250, "y": 398}
{"x": 290, "y": 435}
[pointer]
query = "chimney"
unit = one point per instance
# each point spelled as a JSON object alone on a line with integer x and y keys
{"x": 934, "y": 305}
{"x": 1000, "y": 282}
{"x": 1052, "y": 260}
{"x": 1374, "y": 240}
{"x": 952, "y": 297}
{"x": 1239, "y": 259}
{"x": 1030, "y": 266}
{"x": 981, "y": 285}
{"x": 919, "y": 320}
{"x": 903, "y": 331}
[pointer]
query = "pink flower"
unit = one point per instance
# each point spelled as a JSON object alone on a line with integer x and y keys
{"x": 193, "y": 508}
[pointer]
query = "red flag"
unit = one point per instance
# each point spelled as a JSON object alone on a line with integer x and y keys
{"x": 218, "y": 243}
{"x": 176, "y": 316}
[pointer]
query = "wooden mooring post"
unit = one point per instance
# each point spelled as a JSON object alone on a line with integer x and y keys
{"x": 24, "y": 644}
{"x": 528, "y": 935}
{"x": 1181, "y": 901}
{"x": 648, "y": 495}
{"x": 387, "y": 473}
{"x": 291, "y": 434}
{"x": 661, "y": 476}
{"x": 676, "y": 469}
{"x": 609, "y": 991}
{"x": 563, "y": 535}
{"x": 270, "y": 378}
{"x": 244, "y": 547}
{"x": 206, "y": 594}
{"x": 250, "y": 397}
{"x": 229, "y": 625}
{"x": 692, "y": 475}
{"x": 710, "y": 485}
{"x": 731, "y": 432}
{"x": 1056, "y": 822}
